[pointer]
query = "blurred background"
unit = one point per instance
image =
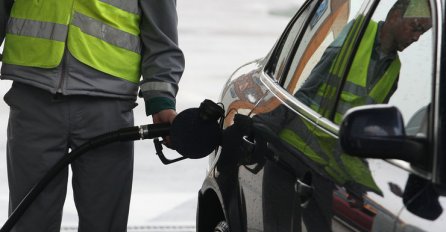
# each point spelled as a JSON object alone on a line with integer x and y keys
{"x": 216, "y": 36}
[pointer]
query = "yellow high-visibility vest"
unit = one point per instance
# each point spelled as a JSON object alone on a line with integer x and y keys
{"x": 103, "y": 34}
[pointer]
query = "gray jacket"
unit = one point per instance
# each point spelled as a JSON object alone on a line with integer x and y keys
{"x": 162, "y": 63}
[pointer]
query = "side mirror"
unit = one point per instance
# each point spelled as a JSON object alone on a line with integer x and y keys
{"x": 377, "y": 131}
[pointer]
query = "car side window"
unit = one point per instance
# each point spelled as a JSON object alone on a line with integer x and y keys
{"x": 386, "y": 66}
{"x": 309, "y": 78}
{"x": 286, "y": 42}
{"x": 410, "y": 88}
{"x": 346, "y": 59}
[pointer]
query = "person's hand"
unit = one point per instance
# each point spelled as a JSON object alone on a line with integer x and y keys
{"x": 165, "y": 116}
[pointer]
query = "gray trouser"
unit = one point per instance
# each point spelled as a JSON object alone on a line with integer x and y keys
{"x": 41, "y": 130}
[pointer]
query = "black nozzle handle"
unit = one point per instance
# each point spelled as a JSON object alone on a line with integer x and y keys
{"x": 163, "y": 158}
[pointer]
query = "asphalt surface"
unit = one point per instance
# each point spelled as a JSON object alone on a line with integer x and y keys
{"x": 216, "y": 36}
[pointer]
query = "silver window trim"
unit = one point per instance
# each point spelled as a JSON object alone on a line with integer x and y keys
{"x": 436, "y": 8}
{"x": 289, "y": 100}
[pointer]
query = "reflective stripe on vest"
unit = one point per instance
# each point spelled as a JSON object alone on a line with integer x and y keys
{"x": 159, "y": 87}
{"x": 31, "y": 28}
{"x": 129, "y": 6}
{"x": 103, "y": 34}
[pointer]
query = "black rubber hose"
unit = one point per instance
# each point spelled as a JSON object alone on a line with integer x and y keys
{"x": 124, "y": 134}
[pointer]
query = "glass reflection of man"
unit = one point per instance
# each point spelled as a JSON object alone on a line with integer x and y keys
{"x": 372, "y": 78}
{"x": 373, "y": 75}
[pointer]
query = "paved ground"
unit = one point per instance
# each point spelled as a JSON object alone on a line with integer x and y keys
{"x": 216, "y": 36}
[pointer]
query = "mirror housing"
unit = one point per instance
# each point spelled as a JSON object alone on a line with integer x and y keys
{"x": 377, "y": 131}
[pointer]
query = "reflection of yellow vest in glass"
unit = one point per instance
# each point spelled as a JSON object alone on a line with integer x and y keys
{"x": 103, "y": 34}
{"x": 322, "y": 148}
{"x": 357, "y": 91}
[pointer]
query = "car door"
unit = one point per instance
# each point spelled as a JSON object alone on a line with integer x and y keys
{"x": 333, "y": 190}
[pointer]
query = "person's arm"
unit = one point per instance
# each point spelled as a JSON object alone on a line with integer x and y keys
{"x": 5, "y": 9}
{"x": 162, "y": 60}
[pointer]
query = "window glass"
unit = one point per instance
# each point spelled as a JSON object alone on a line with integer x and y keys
{"x": 393, "y": 61}
{"x": 346, "y": 61}
{"x": 413, "y": 39}
{"x": 285, "y": 45}
{"x": 309, "y": 71}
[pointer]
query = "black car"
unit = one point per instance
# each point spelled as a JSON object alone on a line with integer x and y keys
{"x": 339, "y": 128}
